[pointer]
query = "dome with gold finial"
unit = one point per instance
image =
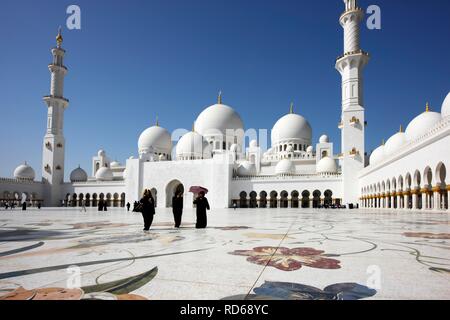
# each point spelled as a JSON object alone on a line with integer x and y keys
{"x": 291, "y": 128}
{"x": 155, "y": 140}
{"x": 219, "y": 119}
{"x": 421, "y": 124}
{"x": 395, "y": 142}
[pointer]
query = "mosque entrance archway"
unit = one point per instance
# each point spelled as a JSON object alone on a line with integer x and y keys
{"x": 174, "y": 187}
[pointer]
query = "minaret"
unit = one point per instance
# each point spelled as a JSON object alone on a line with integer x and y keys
{"x": 351, "y": 65}
{"x": 54, "y": 143}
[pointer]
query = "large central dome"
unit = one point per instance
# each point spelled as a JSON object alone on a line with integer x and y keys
{"x": 217, "y": 119}
{"x": 291, "y": 127}
{"x": 155, "y": 140}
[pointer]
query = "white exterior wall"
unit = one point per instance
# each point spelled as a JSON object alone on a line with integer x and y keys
{"x": 428, "y": 151}
{"x": 213, "y": 174}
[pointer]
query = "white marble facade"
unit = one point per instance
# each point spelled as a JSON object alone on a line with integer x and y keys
{"x": 408, "y": 172}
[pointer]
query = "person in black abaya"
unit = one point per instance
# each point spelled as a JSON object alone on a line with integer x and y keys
{"x": 202, "y": 205}
{"x": 148, "y": 209}
{"x": 177, "y": 208}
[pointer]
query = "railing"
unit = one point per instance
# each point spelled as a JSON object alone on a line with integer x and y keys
{"x": 290, "y": 177}
{"x": 20, "y": 181}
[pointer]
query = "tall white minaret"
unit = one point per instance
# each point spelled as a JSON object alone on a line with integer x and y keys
{"x": 54, "y": 143}
{"x": 351, "y": 65}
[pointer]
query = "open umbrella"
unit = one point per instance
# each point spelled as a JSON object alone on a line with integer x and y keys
{"x": 198, "y": 189}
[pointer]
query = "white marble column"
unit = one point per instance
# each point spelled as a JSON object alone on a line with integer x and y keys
{"x": 414, "y": 200}
{"x": 436, "y": 203}
{"x": 448, "y": 199}
{"x": 399, "y": 202}
{"x": 405, "y": 202}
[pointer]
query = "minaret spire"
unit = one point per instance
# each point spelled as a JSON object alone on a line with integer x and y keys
{"x": 351, "y": 65}
{"x": 54, "y": 143}
{"x": 59, "y": 37}
{"x": 291, "y": 110}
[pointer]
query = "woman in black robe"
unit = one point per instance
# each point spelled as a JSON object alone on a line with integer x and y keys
{"x": 177, "y": 208}
{"x": 202, "y": 205}
{"x": 148, "y": 209}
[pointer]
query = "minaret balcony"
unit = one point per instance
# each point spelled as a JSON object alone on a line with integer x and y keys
{"x": 357, "y": 52}
{"x": 49, "y": 97}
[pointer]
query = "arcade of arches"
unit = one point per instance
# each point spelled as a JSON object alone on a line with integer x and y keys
{"x": 92, "y": 200}
{"x": 284, "y": 199}
{"x": 421, "y": 190}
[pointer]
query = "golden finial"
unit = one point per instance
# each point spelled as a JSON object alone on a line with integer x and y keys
{"x": 59, "y": 37}
{"x": 383, "y": 142}
{"x": 219, "y": 99}
{"x": 157, "y": 121}
{"x": 401, "y": 129}
{"x": 193, "y": 127}
{"x": 427, "y": 108}
{"x": 291, "y": 110}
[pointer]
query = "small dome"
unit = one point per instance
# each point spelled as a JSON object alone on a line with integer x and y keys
{"x": 217, "y": 119}
{"x": 115, "y": 164}
{"x": 253, "y": 144}
{"x": 124, "y": 174}
{"x": 104, "y": 174}
{"x": 324, "y": 139}
{"x": 326, "y": 165}
{"x": 101, "y": 153}
{"x": 291, "y": 127}
{"x": 285, "y": 167}
{"x": 191, "y": 144}
{"x": 155, "y": 140}
{"x": 377, "y": 155}
{"x": 394, "y": 143}
{"x": 445, "y": 110}
{"x": 78, "y": 175}
{"x": 421, "y": 124}
{"x": 24, "y": 172}
{"x": 310, "y": 149}
{"x": 246, "y": 169}
{"x": 131, "y": 158}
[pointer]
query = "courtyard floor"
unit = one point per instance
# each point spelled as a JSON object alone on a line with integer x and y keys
{"x": 243, "y": 254}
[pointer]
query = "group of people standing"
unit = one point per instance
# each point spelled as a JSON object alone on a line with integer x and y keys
{"x": 12, "y": 205}
{"x": 147, "y": 207}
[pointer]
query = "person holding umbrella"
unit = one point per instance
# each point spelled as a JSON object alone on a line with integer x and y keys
{"x": 202, "y": 205}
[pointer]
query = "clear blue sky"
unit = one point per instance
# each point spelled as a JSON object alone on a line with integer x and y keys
{"x": 134, "y": 60}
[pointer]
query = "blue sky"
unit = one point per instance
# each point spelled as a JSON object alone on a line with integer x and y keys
{"x": 133, "y": 60}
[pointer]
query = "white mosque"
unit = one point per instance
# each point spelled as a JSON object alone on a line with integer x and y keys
{"x": 407, "y": 172}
